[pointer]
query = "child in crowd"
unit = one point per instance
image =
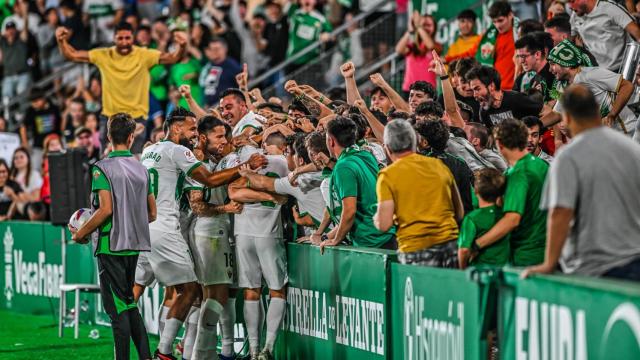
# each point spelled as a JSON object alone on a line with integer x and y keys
{"x": 489, "y": 188}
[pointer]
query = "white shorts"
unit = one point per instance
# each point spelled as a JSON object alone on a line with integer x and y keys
{"x": 144, "y": 273}
{"x": 170, "y": 258}
{"x": 261, "y": 257}
{"x": 212, "y": 255}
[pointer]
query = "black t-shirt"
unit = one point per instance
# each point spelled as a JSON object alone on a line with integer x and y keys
{"x": 514, "y": 105}
{"x": 277, "y": 36}
{"x": 461, "y": 173}
{"x": 542, "y": 81}
{"x": 471, "y": 101}
{"x": 5, "y": 201}
{"x": 42, "y": 122}
{"x": 80, "y": 34}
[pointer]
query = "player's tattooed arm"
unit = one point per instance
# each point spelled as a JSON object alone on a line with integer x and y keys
{"x": 240, "y": 192}
{"x": 202, "y": 208}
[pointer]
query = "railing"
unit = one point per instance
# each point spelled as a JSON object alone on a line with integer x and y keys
{"x": 338, "y": 32}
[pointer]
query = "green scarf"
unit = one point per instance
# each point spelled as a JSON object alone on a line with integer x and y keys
{"x": 566, "y": 54}
{"x": 486, "y": 53}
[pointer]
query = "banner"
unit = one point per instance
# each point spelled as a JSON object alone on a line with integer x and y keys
{"x": 33, "y": 269}
{"x": 337, "y": 304}
{"x": 438, "y": 313}
{"x": 569, "y": 318}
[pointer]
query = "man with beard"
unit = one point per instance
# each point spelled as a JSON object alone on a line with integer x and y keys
{"x": 612, "y": 91}
{"x": 169, "y": 163}
{"x": 124, "y": 70}
{"x": 534, "y": 124}
{"x": 498, "y": 105}
{"x": 237, "y": 114}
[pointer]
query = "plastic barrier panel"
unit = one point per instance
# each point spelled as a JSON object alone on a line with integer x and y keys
{"x": 337, "y": 304}
{"x": 568, "y": 318}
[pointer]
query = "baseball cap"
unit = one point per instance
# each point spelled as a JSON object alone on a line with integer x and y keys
{"x": 79, "y": 131}
{"x": 10, "y": 24}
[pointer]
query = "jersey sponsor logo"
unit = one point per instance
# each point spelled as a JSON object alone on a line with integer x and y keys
{"x": 189, "y": 155}
{"x": 96, "y": 174}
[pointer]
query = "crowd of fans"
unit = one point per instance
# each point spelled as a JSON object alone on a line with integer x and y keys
{"x": 450, "y": 169}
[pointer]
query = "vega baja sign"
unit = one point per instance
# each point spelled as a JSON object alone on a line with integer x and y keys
{"x": 34, "y": 278}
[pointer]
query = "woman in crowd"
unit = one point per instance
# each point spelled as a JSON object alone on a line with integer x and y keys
{"x": 9, "y": 193}
{"x": 28, "y": 179}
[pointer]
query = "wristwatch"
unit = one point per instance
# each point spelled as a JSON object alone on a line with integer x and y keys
{"x": 324, "y": 237}
{"x": 475, "y": 247}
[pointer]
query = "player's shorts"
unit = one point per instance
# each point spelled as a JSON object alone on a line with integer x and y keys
{"x": 170, "y": 258}
{"x": 260, "y": 257}
{"x": 144, "y": 273}
{"x": 213, "y": 257}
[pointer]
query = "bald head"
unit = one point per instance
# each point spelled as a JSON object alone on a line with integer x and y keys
{"x": 580, "y": 105}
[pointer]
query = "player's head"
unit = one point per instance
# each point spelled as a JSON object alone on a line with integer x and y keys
{"x": 120, "y": 129}
{"x": 233, "y": 106}
{"x": 274, "y": 144}
{"x": 123, "y": 38}
{"x": 212, "y": 135}
{"x": 317, "y": 149}
{"x": 182, "y": 127}
{"x": 489, "y": 184}
{"x": 341, "y": 133}
{"x": 300, "y": 153}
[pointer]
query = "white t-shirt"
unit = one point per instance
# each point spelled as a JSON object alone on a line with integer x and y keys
{"x": 169, "y": 164}
{"x": 602, "y": 31}
{"x": 250, "y": 119}
{"x": 262, "y": 219}
{"x": 604, "y": 85}
{"x": 310, "y": 203}
{"x": 35, "y": 181}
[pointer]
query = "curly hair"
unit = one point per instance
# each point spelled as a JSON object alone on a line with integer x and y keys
{"x": 512, "y": 134}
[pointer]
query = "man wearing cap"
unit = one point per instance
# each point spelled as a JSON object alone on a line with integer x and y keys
{"x": 14, "y": 53}
{"x": 611, "y": 90}
{"x": 124, "y": 69}
{"x": 82, "y": 137}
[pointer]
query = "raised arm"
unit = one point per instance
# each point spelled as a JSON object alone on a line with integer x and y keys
{"x": 315, "y": 107}
{"x": 398, "y": 102}
{"x": 179, "y": 38}
{"x": 376, "y": 125}
{"x": 348, "y": 71}
{"x": 185, "y": 91}
{"x": 68, "y": 51}
{"x": 450, "y": 103}
{"x": 218, "y": 178}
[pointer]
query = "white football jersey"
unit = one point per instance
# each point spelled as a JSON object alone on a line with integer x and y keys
{"x": 168, "y": 164}
{"x": 250, "y": 119}
{"x": 262, "y": 219}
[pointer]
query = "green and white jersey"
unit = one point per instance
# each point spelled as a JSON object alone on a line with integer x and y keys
{"x": 250, "y": 119}
{"x": 305, "y": 29}
{"x": 169, "y": 164}
{"x": 262, "y": 219}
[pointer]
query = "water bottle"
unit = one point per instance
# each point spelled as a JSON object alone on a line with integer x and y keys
{"x": 94, "y": 334}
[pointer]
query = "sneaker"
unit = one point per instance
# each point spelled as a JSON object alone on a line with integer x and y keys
{"x": 265, "y": 355}
{"x": 222, "y": 357}
{"x": 157, "y": 355}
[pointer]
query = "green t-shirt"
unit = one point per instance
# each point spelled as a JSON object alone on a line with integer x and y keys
{"x": 187, "y": 74}
{"x": 525, "y": 181}
{"x": 355, "y": 175}
{"x": 158, "y": 86}
{"x": 305, "y": 29}
{"x": 476, "y": 224}
{"x": 100, "y": 182}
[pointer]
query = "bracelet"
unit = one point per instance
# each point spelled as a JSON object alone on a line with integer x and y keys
{"x": 324, "y": 237}
{"x": 445, "y": 77}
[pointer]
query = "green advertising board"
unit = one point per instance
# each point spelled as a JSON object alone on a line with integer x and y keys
{"x": 337, "y": 303}
{"x": 569, "y": 318}
{"x": 33, "y": 268}
{"x": 439, "y": 313}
